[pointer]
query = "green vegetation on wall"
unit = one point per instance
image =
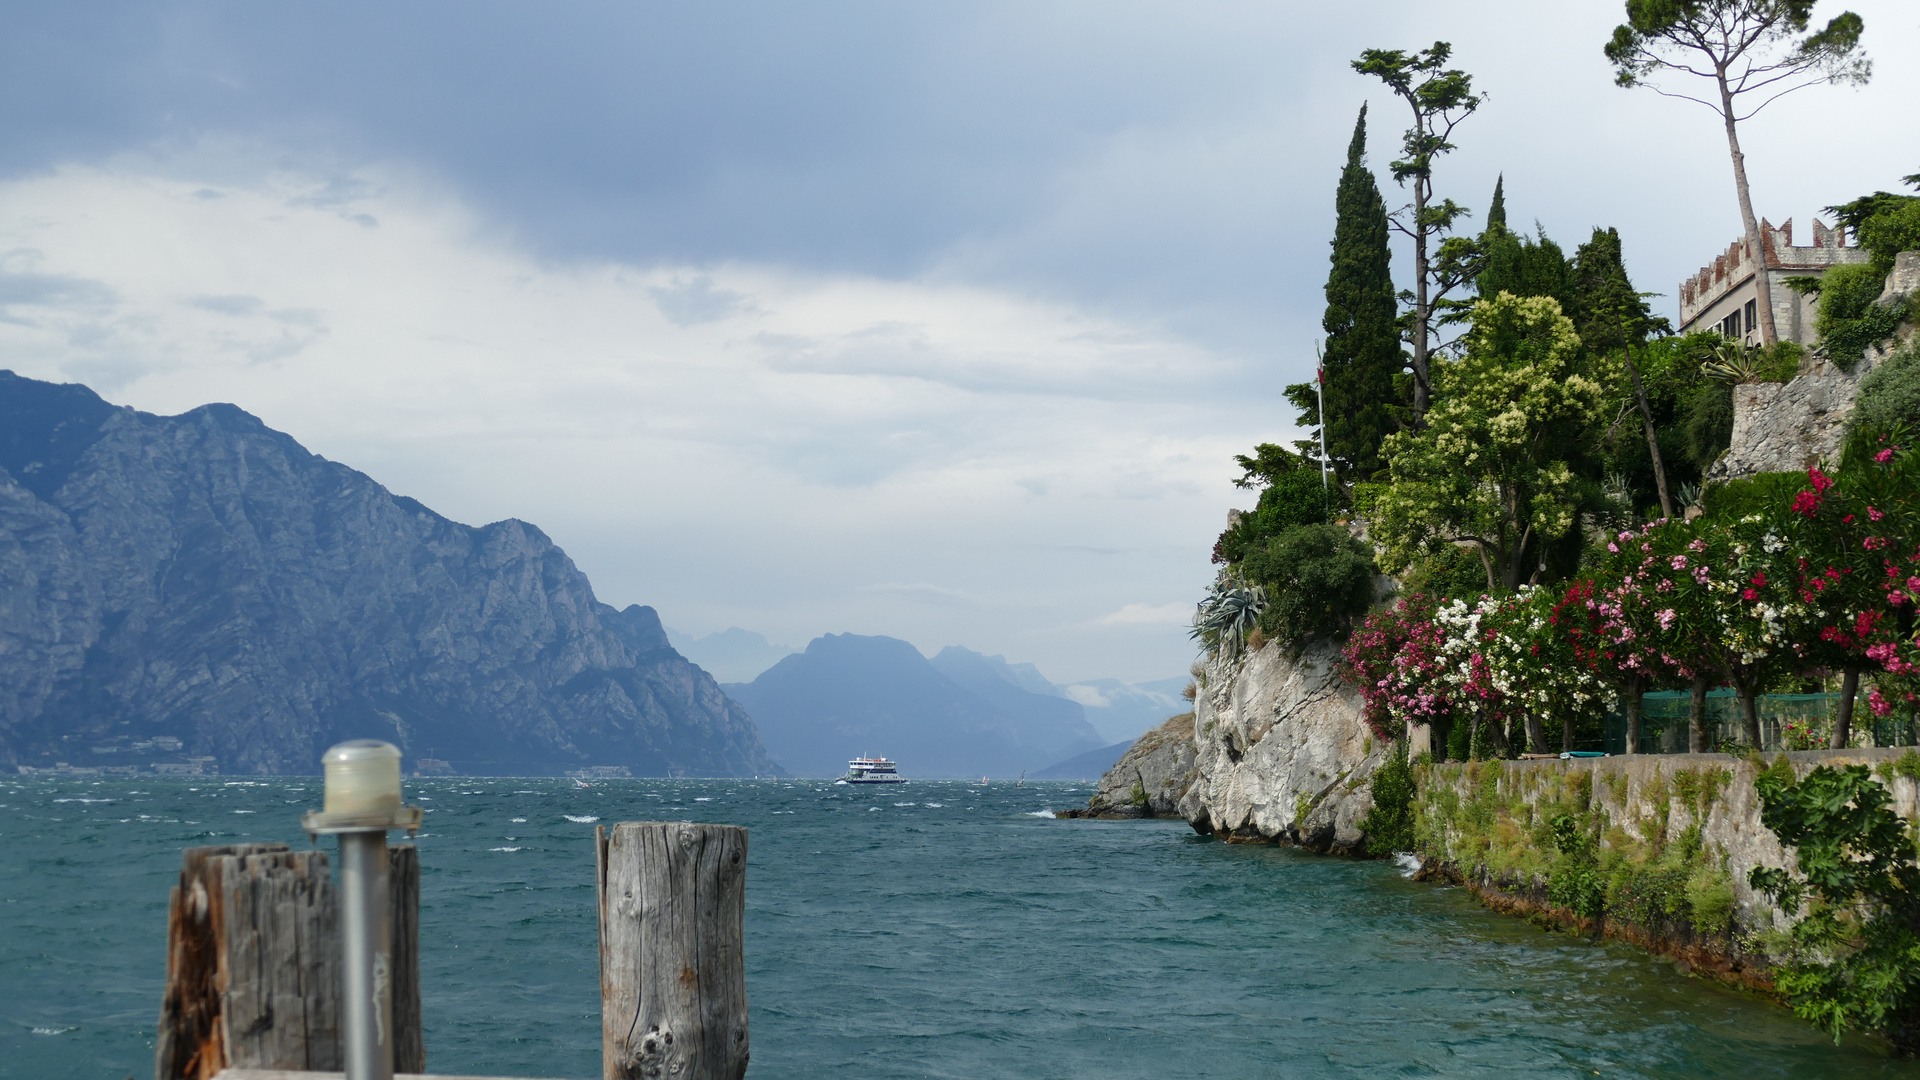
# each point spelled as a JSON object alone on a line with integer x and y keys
{"x": 1560, "y": 837}
{"x": 1853, "y": 963}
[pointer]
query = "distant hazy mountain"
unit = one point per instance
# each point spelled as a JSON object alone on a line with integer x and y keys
{"x": 204, "y": 577}
{"x": 849, "y": 694}
{"x": 1091, "y": 765}
{"x": 732, "y": 655}
{"x": 1122, "y": 711}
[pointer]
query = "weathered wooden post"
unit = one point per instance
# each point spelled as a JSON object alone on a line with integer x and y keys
{"x": 253, "y": 963}
{"x": 673, "y": 980}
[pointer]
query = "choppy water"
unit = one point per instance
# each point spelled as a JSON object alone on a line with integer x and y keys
{"x": 936, "y": 930}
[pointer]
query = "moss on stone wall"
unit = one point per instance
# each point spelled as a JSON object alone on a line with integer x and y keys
{"x": 1614, "y": 855}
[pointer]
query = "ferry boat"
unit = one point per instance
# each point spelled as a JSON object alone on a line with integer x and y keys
{"x": 872, "y": 770}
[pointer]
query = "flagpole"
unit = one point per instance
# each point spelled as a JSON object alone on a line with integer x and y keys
{"x": 1320, "y": 385}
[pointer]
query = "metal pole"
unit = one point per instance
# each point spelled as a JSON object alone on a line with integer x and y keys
{"x": 367, "y": 1023}
{"x": 1320, "y": 385}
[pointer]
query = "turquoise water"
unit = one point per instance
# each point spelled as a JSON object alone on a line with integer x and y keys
{"x": 936, "y": 930}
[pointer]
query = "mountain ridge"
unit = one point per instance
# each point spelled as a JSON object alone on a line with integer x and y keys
{"x": 204, "y": 576}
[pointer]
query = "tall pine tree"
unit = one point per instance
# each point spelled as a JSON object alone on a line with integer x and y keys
{"x": 1362, "y": 353}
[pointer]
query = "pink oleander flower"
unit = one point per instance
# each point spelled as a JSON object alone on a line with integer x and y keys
{"x": 1678, "y": 562}
{"x": 1883, "y": 457}
{"x": 1821, "y": 482}
{"x": 1875, "y": 700}
{"x": 1874, "y": 515}
{"x": 1666, "y": 618}
{"x": 1613, "y": 547}
{"x": 1806, "y": 504}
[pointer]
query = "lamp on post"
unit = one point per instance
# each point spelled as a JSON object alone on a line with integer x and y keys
{"x": 362, "y": 804}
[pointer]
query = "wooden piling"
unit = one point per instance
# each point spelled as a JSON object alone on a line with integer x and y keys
{"x": 253, "y": 963}
{"x": 673, "y": 984}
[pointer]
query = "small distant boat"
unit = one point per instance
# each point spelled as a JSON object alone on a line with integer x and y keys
{"x": 577, "y": 782}
{"x": 871, "y": 770}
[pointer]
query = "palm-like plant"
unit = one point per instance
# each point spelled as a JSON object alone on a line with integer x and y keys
{"x": 1228, "y": 614}
{"x": 1733, "y": 363}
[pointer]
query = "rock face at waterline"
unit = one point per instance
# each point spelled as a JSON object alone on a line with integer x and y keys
{"x": 1282, "y": 752}
{"x": 203, "y": 577}
{"x": 1150, "y": 778}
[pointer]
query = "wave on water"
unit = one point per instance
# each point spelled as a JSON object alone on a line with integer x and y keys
{"x": 519, "y": 821}
{"x": 935, "y": 805}
{"x": 704, "y": 798}
{"x": 53, "y": 1030}
{"x": 1040, "y": 813}
{"x": 503, "y": 849}
{"x": 581, "y": 819}
{"x": 1408, "y": 862}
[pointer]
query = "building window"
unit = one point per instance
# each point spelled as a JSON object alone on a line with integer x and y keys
{"x": 1730, "y": 326}
{"x": 1753, "y": 316}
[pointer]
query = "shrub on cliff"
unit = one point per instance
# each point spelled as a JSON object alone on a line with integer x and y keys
{"x": 1850, "y": 322}
{"x": 1318, "y": 579}
{"x": 1292, "y": 494}
{"x": 1889, "y": 397}
{"x": 1389, "y": 822}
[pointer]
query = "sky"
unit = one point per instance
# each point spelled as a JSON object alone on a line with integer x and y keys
{"x": 936, "y": 321}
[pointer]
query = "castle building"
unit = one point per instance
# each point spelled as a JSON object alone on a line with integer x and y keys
{"x": 1726, "y": 295}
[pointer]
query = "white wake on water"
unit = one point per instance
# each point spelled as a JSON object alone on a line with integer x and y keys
{"x": 1040, "y": 813}
{"x": 581, "y": 819}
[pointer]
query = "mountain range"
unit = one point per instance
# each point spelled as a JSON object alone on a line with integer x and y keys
{"x": 206, "y": 579}
{"x": 731, "y": 655}
{"x": 959, "y": 714}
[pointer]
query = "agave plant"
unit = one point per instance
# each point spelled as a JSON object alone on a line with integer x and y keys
{"x": 1734, "y": 363}
{"x": 1228, "y": 615}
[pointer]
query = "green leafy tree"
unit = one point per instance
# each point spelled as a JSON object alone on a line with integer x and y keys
{"x": 1440, "y": 98}
{"x": 1362, "y": 353}
{"x": 1493, "y": 465}
{"x": 1884, "y": 224}
{"x": 1292, "y": 494}
{"x": 1524, "y": 266}
{"x": 1611, "y": 315}
{"x": 1755, "y": 52}
{"x": 1854, "y": 961}
{"x": 1318, "y": 579}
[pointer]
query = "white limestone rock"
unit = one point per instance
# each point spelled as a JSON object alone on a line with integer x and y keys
{"x": 1283, "y": 752}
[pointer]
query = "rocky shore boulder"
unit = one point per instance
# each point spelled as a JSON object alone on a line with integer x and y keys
{"x": 1150, "y": 778}
{"x": 1283, "y": 753}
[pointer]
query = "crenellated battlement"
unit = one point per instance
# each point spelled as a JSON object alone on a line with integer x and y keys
{"x": 1734, "y": 267}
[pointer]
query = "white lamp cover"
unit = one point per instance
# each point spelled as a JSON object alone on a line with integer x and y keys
{"x": 363, "y": 777}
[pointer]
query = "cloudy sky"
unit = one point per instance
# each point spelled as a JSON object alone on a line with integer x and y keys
{"x": 938, "y": 321}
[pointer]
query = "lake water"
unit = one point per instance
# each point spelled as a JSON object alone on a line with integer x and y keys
{"x": 938, "y": 929}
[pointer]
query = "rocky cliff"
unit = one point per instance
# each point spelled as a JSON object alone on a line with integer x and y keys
{"x": 1282, "y": 751}
{"x": 1150, "y": 778}
{"x": 1786, "y": 427}
{"x": 203, "y": 576}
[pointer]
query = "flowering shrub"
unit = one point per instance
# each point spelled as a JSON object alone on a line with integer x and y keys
{"x": 1827, "y": 577}
{"x": 1395, "y": 660}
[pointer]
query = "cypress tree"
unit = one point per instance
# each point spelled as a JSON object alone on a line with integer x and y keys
{"x": 1362, "y": 353}
{"x": 1497, "y": 213}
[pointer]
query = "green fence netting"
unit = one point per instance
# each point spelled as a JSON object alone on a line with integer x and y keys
{"x": 1787, "y": 722}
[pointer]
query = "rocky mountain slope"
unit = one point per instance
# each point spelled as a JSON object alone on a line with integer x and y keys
{"x": 850, "y": 694}
{"x": 203, "y": 576}
{"x": 1150, "y": 778}
{"x": 1282, "y": 751}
